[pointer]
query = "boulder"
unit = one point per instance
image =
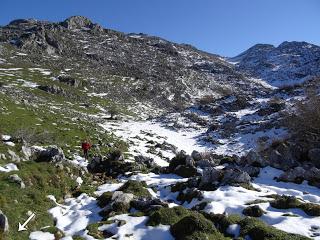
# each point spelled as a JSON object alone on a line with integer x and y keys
{"x": 205, "y": 163}
{"x": 313, "y": 176}
{"x": 296, "y": 175}
{"x": 314, "y": 156}
{"x": 149, "y": 162}
{"x": 196, "y": 156}
{"x": 119, "y": 196}
{"x": 210, "y": 176}
{"x": 189, "y": 161}
{"x": 253, "y": 159}
{"x": 147, "y": 205}
{"x": 69, "y": 81}
{"x": 179, "y": 159}
{"x": 16, "y": 179}
{"x": 51, "y": 89}
{"x": 186, "y": 171}
{"x": 235, "y": 176}
{"x": 13, "y": 156}
{"x": 50, "y": 154}
{"x": 253, "y": 211}
{"x": 251, "y": 170}
{"x": 282, "y": 159}
{"x": 4, "y": 224}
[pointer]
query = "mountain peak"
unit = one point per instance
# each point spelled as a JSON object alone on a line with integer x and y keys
{"x": 77, "y": 22}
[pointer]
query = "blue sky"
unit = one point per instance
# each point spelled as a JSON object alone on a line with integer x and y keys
{"x": 225, "y": 27}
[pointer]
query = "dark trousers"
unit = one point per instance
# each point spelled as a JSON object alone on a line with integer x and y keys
{"x": 85, "y": 153}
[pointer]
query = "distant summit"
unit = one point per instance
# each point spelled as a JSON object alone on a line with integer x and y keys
{"x": 289, "y": 63}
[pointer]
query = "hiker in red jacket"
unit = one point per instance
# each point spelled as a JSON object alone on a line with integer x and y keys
{"x": 85, "y": 147}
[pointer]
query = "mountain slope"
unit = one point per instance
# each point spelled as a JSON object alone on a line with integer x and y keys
{"x": 288, "y": 64}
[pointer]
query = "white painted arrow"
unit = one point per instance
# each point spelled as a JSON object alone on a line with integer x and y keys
{"x": 23, "y": 226}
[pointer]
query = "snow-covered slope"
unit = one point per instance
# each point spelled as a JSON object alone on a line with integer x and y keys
{"x": 288, "y": 64}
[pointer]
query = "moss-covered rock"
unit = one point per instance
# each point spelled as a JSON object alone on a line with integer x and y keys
{"x": 168, "y": 216}
{"x": 286, "y": 202}
{"x": 253, "y": 211}
{"x": 96, "y": 233}
{"x": 58, "y": 234}
{"x": 137, "y": 188}
{"x": 195, "y": 227}
{"x": 104, "y": 199}
{"x": 258, "y": 230}
{"x": 222, "y": 221}
{"x": 120, "y": 207}
{"x": 311, "y": 209}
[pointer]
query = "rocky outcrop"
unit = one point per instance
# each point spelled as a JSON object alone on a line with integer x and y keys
{"x": 314, "y": 156}
{"x": 4, "y": 224}
{"x": 49, "y": 154}
{"x": 235, "y": 176}
{"x": 53, "y": 89}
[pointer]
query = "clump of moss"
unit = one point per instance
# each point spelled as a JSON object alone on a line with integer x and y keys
{"x": 249, "y": 186}
{"x": 96, "y": 233}
{"x": 88, "y": 189}
{"x": 78, "y": 238}
{"x": 222, "y": 221}
{"x": 258, "y": 230}
{"x": 257, "y": 201}
{"x": 58, "y": 234}
{"x": 168, "y": 216}
{"x": 137, "y": 214}
{"x": 195, "y": 227}
{"x": 104, "y": 199}
{"x": 253, "y": 211}
{"x": 137, "y": 188}
{"x": 286, "y": 202}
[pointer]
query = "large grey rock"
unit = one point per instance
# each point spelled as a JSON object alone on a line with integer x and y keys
{"x": 314, "y": 156}
{"x": 149, "y": 162}
{"x": 284, "y": 160}
{"x": 54, "y": 89}
{"x": 210, "y": 176}
{"x": 4, "y": 224}
{"x": 235, "y": 176}
{"x": 16, "y": 179}
{"x": 13, "y": 156}
{"x": 295, "y": 175}
{"x": 120, "y": 197}
{"x": 190, "y": 161}
{"x": 196, "y": 155}
{"x": 252, "y": 171}
{"x": 205, "y": 163}
{"x": 50, "y": 154}
{"x": 253, "y": 158}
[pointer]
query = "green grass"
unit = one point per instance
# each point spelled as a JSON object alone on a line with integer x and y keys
{"x": 41, "y": 179}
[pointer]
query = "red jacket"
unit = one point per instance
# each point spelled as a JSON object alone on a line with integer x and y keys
{"x": 86, "y": 146}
